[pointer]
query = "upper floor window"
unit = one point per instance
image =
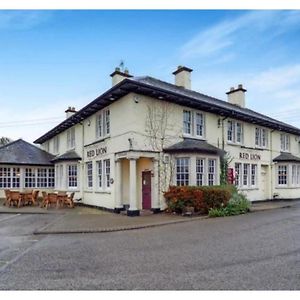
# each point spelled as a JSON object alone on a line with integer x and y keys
{"x": 56, "y": 144}
{"x": 234, "y": 132}
{"x": 103, "y": 123}
{"x": 261, "y": 137}
{"x": 193, "y": 123}
{"x": 187, "y": 122}
{"x": 71, "y": 138}
{"x": 284, "y": 142}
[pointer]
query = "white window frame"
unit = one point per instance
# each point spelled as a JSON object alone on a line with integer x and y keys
{"x": 56, "y": 144}
{"x": 187, "y": 122}
{"x": 72, "y": 176}
{"x": 285, "y": 142}
{"x": 200, "y": 171}
{"x": 232, "y": 132}
{"x": 9, "y": 177}
{"x": 211, "y": 171}
{"x": 89, "y": 174}
{"x": 280, "y": 169}
{"x": 182, "y": 176}
{"x": 193, "y": 124}
{"x": 261, "y": 137}
{"x": 71, "y": 140}
{"x": 246, "y": 175}
{"x": 103, "y": 125}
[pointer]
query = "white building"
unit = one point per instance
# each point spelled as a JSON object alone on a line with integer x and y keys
{"x": 126, "y": 147}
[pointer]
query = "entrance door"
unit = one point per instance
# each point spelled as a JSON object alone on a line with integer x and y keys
{"x": 264, "y": 182}
{"x": 146, "y": 189}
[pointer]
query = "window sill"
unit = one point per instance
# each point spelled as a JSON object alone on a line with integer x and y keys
{"x": 98, "y": 140}
{"x": 234, "y": 144}
{"x": 195, "y": 137}
{"x": 248, "y": 188}
{"x": 103, "y": 192}
{"x": 288, "y": 187}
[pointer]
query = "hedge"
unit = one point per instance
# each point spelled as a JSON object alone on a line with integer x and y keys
{"x": 201, "y": 198}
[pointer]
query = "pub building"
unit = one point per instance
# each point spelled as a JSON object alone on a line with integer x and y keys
{"x": 122, "y": 150}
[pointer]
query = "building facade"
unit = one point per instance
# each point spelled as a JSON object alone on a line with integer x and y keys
{"x": 125, "y": 148}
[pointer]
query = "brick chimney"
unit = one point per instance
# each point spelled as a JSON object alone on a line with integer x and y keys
{"x": 118, "y": 75}
{"x": 237, "y": 96}
{"x": 183, "y": 77}
{"x": 70, "y": 112}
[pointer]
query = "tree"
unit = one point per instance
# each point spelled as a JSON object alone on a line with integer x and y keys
{"x": 5, "y": 140}
{"x": 159, "y": 125}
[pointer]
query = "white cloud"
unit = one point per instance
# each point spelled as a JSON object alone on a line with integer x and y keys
{"x": 229, "y": 34}
{"x": 274, "y": 92}
{"x": 22, "y": 19}
{"x": 33, "y": 122}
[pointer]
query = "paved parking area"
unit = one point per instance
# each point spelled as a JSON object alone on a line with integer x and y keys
{"x": 256, "y": 251}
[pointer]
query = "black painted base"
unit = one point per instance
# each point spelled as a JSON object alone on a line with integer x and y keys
{"x": 117, "y": 210}
{"x": 156, "y": 210}
{"x": 133, "y": 213}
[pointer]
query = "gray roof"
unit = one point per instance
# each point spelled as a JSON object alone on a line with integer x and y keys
{"x": 286, "y": 157}
{"x": 69, "y": 155}
{"x": 194, "y": 145}
{"x": 169, "y": 92}
{"x": 20, "y": 152}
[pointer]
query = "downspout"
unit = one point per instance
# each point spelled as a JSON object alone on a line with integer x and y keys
{"x": 82, "y": 163}
{"x": 271, "y": 165}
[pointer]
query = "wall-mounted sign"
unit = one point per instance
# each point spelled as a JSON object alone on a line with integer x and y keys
{"x": 96, "y": 152}
{"x": 249, "y": 156}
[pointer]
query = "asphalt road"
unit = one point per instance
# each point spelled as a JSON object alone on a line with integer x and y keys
{"x": 257, "y": 251}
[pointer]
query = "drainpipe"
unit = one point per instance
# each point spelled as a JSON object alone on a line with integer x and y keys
{"x": 271, "y": 164}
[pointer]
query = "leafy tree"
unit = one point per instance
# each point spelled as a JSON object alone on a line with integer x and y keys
{"x": 4, "y": 140}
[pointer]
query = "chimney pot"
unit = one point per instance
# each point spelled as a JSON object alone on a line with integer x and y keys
{"x": 117, "y": 76}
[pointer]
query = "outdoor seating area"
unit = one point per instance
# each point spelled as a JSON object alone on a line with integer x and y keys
{"x": 59, "y": 199}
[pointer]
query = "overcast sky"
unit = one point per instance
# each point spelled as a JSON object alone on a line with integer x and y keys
{"x": 50, "y": 60}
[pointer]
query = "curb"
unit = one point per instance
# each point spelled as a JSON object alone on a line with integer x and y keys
{"x": 263, "y": 209}
{"x": 116, "y": 229}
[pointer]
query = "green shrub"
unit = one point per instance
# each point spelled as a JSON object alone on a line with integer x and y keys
{"x": 216, "y": 212}
{"x": 238, "y": 204}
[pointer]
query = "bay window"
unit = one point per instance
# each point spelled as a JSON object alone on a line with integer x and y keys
{"x": 182, "y": 171}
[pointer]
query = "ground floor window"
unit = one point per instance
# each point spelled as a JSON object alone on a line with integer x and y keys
{"x": 282, "y": 174}
{"x": 206, "y": 171}
{"x": 9, "y": 177}
{"x": 198, "y": 171}
{"x": 245, "y": 175}
{"x": 182, "y": 171}
{"x": 89, "y": 171}
{"x": 103, "y": 172}
{"x": 72, "y": 176}
{"x": 288, "y": 175}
